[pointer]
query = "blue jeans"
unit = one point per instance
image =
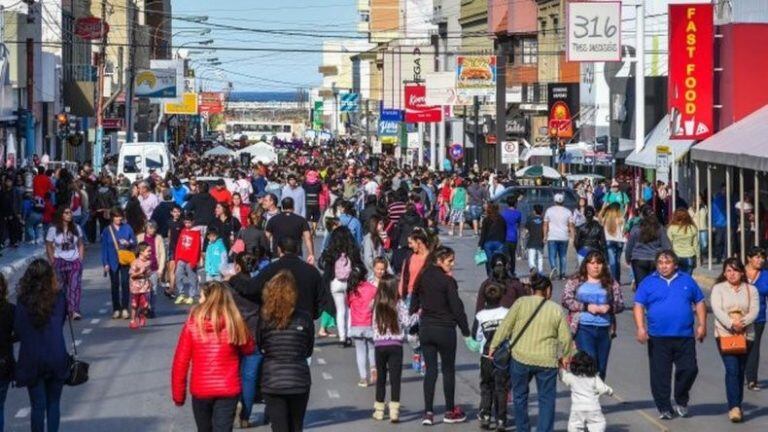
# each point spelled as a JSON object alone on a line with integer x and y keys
{"x": 614, "y": 258}
{"x": 595, "y": 341}
{"x": 735, "y": 369}
{"x": 45, "y": 397}
{"x": 559, "y": 249}
{"x": 33, "y": 226}
{"x": 703, "y": 242}
{"x": 3, "y": 393}
{"x": 686, "y": 264}
{"x": 491, "y": 248}
{"x": 546, "y": 385}
{"x": 250, "y": 367}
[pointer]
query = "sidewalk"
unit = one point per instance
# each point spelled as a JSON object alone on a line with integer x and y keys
{"x": 15, "y": 260}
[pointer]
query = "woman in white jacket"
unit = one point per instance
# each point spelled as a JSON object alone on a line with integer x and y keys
{"x": 373, "y": 243}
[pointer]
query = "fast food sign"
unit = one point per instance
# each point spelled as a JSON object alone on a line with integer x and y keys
{"x": 476, "y": 75}
{"x": 563, "y": 104}
{"x": 691, "y": 63}
{"x": 416, "y": 108}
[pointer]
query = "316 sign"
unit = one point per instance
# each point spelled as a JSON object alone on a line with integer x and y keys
{"x": 594, "y": 31}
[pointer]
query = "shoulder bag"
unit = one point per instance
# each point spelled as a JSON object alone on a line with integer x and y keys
{"x": 124, "y": 257}
{"x": 78, "y": 369}
{"x": 736, "y": 343}
{"x": 503, "y": 354}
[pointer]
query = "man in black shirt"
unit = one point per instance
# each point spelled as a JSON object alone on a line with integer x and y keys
{"x": 289, "y": 224}
{"x": 203, "y": 205}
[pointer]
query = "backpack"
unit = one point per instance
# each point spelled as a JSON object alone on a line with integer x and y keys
{"x": 342, "y": 267}
{"x": 38, "y": 204}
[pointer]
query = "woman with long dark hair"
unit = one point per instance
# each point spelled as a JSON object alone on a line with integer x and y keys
{"x": 337, "y": 262}
{"x": 225, "y": 224}
{"x": 735, "y": 305}
{"x": 253, "y": 236}
{"x": 373, "y": 246}
{"x": 684, "y": 236}
{"x": 501, "y": 275}
{"x": 286, "y": 339}
{"x": 117, "y": 236}
{"x": 593, "y": 298}
{"x": 38, "y": 324}
{"x": 420, "y": 248}
{"x": 436, "y": 295}
{"x": 493, "y": 234}
{"x": 646, "y": 239}
{"x": 65, "y": 250}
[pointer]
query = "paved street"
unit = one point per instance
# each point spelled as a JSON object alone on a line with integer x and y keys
{"x": 129, "y": 386}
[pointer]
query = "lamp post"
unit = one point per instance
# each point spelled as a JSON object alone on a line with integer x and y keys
{"x": 194, "y": 19}
{"x": 335, "y": 91}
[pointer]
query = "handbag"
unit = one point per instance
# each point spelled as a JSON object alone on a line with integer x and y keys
{"x": 480, "y": 257}
{"x": 124, "y": 257}
{"x": 735, "y": 344}
{"x": 78, "y": 369}
{"x": 503, "y": 354}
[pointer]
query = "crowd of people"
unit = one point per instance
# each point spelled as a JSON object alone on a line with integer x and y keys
{"x": 240, "y": 250}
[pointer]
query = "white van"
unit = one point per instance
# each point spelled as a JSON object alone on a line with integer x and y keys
{"x": 136, "y": 159}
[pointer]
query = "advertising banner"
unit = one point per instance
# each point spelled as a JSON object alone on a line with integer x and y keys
{"x": 476, "y": 75}
{"x": 317, "y": 116}
{"x": 187, "y": 106}
{"x": 441, "y": 90}
{"x": 350, "y": 102}
{"x": 156, "y": 83}
{"x": 211, "y": 103}
{"x": 389, "y": 121}
{"x": 691, "y": 63}
{"x": 416, "y": 108}
{"x": 593, "y": 31}
{"x": 563, "y": 104}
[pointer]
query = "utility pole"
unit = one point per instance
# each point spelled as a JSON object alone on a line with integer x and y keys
{"x": 501, "y": 98}
{"x": 367, "y": 122}
{"x": 131, "y": 72}
{"x": 476, "y": 106}
{"x": 98, "y": 146}
{"x": 640, "y": 77}
{"x": 29, "y": 148}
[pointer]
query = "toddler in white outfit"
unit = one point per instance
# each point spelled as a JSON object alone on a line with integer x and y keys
{"x": 586, "y": 389}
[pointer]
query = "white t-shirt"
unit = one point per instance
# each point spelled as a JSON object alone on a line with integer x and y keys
{"x": 65, "y": 246}
{"x": 245, "y": 189}
{"x": 371, "y": 187}
{"x": 585, "y": 391}
{"x": 558, "y": 218}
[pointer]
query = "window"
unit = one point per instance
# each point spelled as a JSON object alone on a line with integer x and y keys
{"x": 154, "y": 160}
{"x": 530, "y": 51}
{"x": 132, "y": 164}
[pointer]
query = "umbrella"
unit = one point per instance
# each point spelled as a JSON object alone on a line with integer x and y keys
{"x": 539, "y": 171}
{"x": 219, "y": 151}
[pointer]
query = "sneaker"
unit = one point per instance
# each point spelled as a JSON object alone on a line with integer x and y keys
{"x": 501, "y": 425}
{"x": 416, "y": 362}
{"x": 362, "y": 383}
{"x": 485, "y": 421}
{"x": 133, "y": 325}
{"x": 456, "y": 415}
{"x": 374, "y": 376}
{"x": 189, "y": 301}
{"x": 125, "y": 314}
{"x": 116, "y": 314}
{"x": 76, "y": 316}
{"x": 180, "y": 299}
{"x": 552, "y": 274}
{"x": 666, "y": 415}
{"x": 735, "y": 415}
{"x": 681, "y": 411}
{"x": 428, "y": 419}
{"x": 753, "y": 386}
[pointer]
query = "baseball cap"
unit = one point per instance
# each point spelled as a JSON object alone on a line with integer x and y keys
{"x": 559, "y": 198}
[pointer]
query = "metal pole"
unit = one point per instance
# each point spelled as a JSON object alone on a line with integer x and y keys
{"x": 640, "y": 77}
{"x": 673, "y": 180}
{"x": 433, "y": 145}
{"x": 743, "y": 216}
{"x": 697, "y": 203}
{"x": 757, "y": 209}
{"x": 159, "y": 121}
{"x": 501, "y": 99}
{"x": 709, "y": 216}
{"x": 441, "y": 143}
{"x": 728, "y": 211}
{"x": 131, "y": 72}
{"x": 98, "y": 147}
{"x": 29, "y": 147}
{"x": 420, "y": 153}
{"x": 476, "y": 104}
{"x": 367, "y": 122}
{"x": 464, "y": 134}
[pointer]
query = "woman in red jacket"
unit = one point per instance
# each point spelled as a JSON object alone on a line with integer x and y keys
{"x": 212, "y": 340}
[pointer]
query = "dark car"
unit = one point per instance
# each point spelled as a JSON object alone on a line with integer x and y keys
{"x": 528, "y": 196}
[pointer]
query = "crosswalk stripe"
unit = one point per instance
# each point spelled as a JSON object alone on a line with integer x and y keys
{"x": 95, "y": 321}
{"x": 321, "y": 361}
{"x": 327, "y": 376}
{"x": 87, "y": 331}
{"x": 23, "y": 412}
{"x": 333, "y": 394}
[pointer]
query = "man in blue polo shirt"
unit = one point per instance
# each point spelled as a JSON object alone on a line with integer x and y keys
{"x": 665, "y": 300}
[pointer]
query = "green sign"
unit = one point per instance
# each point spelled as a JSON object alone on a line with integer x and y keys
{"x": 317, "y": 116}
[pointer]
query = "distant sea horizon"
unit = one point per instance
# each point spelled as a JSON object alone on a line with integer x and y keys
{"x": 257, "y": 96}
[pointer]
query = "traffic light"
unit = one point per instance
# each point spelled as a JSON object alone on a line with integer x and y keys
{"x": 62, "y": 120}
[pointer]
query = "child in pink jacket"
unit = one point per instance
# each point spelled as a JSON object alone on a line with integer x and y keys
{"x": 360, "y": 295}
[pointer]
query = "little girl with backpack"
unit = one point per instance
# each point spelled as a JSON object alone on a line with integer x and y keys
{"x": 360, "y": 294}
{"x": 391, "y": 323}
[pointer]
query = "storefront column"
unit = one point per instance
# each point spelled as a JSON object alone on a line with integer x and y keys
{"x": 742, "y": 234}
{"x": 709, "y": 217}
{"x": 728, "y": 205}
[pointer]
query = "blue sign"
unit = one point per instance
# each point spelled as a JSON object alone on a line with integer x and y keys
{"x": 395, "y": 115}
{"x": 456, "y": 151}
{"x": 350, "y": 102}
{"x": 389, "y": 120}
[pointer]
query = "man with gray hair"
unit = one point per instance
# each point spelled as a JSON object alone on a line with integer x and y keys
{"x": 147, "y": 199}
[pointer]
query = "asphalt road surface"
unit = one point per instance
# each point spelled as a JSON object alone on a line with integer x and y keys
{"x": 129, "y": 387}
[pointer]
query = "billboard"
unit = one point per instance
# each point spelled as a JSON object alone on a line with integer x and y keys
{"x": 389, "y": 121}
{"x": 317, "y": 116}
{"x": 416, "y": 108}
{"x": 156, "y": 83}
{"x": 476, "y": 75}
{"x": 187, "y": 106}
{"x": 691, "y": 63}
{"x": 211, "y": 103}
{"x": 593, "y": 31}
{"x": 563, "y": 105}
{"x": 441, "y": 90}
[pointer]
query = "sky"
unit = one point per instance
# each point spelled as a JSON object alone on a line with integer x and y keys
{"x": 264, "y": 71}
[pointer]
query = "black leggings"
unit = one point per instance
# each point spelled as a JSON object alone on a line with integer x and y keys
{"x": 388, "y": 359}
{"x": 286, "y": 412}
{"x": 214, "y": 415}
{"x": 441, "y": 340}
{"x": 641, "y": 269}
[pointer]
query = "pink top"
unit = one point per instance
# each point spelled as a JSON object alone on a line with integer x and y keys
{"x": 143, "y": 268}
{"x": 361, "y": 305}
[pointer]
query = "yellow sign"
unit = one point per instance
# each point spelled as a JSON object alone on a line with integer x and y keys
{"x": 663, "y": 150}
{"x": 187, "y": 106}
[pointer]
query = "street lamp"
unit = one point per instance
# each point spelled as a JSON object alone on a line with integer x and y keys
{"x": 195, "y": 19}
{"x": 335, "y": 91}
{"x": 205, "y": 42}
{"x": 200, "y": 32}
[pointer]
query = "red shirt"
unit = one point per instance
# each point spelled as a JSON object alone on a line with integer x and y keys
{"x": 41, "y": 185}
{"x": 188, "y": 247}
{"x": 222, "y": 196}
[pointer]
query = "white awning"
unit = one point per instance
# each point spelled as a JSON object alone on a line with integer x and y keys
{"x": 659, "y": 136}
{"x": 742, "y": 144}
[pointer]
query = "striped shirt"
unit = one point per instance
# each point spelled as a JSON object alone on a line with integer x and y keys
{"x": 396, "y": 210}
{"x": 547, "y": 338}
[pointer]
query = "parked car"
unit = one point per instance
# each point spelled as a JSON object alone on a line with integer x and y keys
{"x": 528, "y": 196}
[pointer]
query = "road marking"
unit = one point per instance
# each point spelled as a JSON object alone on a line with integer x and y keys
{"x": 78, "y": 342}
{"x": 87, "y": 331}
{"x": 107, "y": 303}
{"x": 320, "y": 361}
{"x": 333, "y": 394}
{"x": 95, "y": 321}
{"x": 327, "y": 376}
{"x": 651, "y": 419}
{"x": 103, "y": 311}
{"x": 23, "y": 412}
{"x": 317, "y": 349}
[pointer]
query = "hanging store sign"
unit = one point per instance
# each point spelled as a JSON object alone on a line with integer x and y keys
{"x": 691, "y": 63}
{"x": 187, "y": 106}
{"x": 211, "y": 103}
{"x": 317, "y": 116}
{"x": 389, "y": 123}
{"x": 350, "y": 102}
{"x": 156, "y": 83}
{"x": 563, "y": 103}
{"x": 476, "y": 75}
{"x": 416, "y": 108}
{"x": 441, "y": 90}
{"x": 593, "y": 31}
{"x": 91, "y": 28}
